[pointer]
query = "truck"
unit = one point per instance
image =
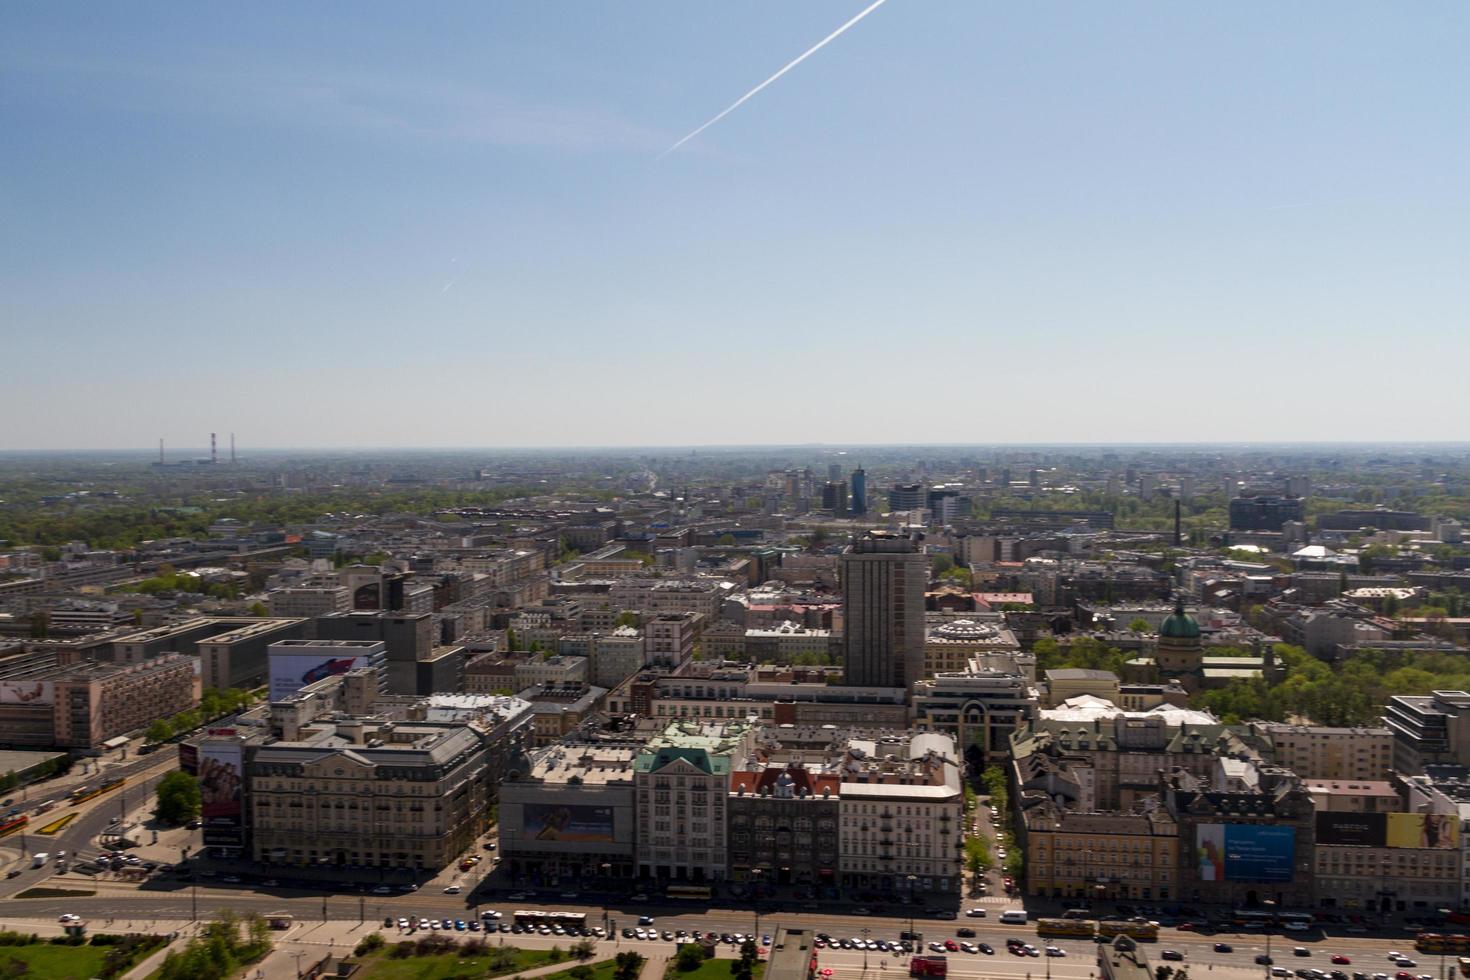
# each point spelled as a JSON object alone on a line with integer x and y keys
{"x": 38, "y": 860}
{"x": 928, "y": 966}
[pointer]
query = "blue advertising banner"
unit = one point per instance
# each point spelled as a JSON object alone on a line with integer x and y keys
{"x": 1245, "y": 852}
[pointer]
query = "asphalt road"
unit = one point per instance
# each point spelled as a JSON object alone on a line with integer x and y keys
{"x": 179, "y": 900}
{"x": 79, "y": 836}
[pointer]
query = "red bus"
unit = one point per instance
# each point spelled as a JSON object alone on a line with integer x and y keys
{"x": 13, "y": 824}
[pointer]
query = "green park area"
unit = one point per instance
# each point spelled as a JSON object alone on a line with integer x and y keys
{"x": 104, "y": 957}
{"x": 439, "y": 958}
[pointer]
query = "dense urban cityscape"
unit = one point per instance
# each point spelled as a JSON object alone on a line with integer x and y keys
{"x": 875, "y": 693}
{"x": 838, "y": 490}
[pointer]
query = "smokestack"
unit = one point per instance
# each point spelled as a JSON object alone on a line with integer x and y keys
{"x": 1178, "y": 537}
{"x": 213, "y": 450}
{"x": 160, "y": 452}
{"x": 232, "y": 448}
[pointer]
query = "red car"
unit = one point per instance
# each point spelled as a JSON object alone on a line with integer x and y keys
{"x": 1339, "y": 958}
{"x": 1403, "y": 975}
{"x": 1185, "y": 927}
{"x": 951, "y": 945}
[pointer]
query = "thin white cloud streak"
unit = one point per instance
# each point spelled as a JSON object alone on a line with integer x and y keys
{"x": 799, "y": 59}
{"x": 387, "y": 106}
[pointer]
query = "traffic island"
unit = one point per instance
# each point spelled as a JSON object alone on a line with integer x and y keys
{"x": 437, "y": 957}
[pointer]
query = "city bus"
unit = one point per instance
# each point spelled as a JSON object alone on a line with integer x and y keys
{"x": 46, "y": 807}
{"x": 1144, "y": 931}
{"x": 1079, "y": 928}
{"x": 690, "y": 892}
{"x": 536, "y": 918}
{"x": 1433, "y": 942}
{"x": 10, "y": 826}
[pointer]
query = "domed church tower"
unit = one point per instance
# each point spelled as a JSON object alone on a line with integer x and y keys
{"x": 1180, "y": 650}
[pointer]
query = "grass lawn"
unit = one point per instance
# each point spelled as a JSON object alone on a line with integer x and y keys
{"x": 48, "y": 962}
{"x": 715, "y": 969}
{"x": 601, "y": 970}
{"x": 381, "y": 966}
{"x": 55, "y": 893}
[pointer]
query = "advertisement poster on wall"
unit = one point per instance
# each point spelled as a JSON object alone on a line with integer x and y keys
{"x": 573, "y": 823}
{"x": 1435, "y": 831}
{"x": 1245, "y": 852}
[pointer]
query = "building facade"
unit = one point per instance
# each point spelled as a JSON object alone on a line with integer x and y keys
{"x": 884, "y": 577}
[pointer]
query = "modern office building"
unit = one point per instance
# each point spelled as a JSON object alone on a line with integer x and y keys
{"x": 239, "y": 658}
{"x": 1432, "y": 729}
{"x": 859, "y": 503}
{"x": 883, "y": 581}
{"x": 979, "y": 708}
{"x": 1264, "y": 513}
{"x": 309, "y": 603}
{"x": 834, "y": 498}
{"x": 906, "y": 496}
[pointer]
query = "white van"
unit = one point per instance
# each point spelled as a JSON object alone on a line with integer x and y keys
{"x": 38, "y": 860}
{"x": 1013, "y": 917}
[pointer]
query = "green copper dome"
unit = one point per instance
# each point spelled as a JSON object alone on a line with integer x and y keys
{"x": 1180, "y": 625}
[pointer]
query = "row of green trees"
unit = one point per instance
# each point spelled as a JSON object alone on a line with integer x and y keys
{"x": 213, "y": 703}
{"x": 123, "y": 524}
{"x": 226, "y": 945}
{"x": 1350, "y": 692}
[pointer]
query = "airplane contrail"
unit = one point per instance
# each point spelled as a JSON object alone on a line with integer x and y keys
{"x": 799, "y": 59}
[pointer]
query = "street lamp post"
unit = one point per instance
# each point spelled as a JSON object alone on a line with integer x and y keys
{"x": 865, "y": 930}
{"x": 755, "y": 900}
{"x": 606, "y": 884}
{"x": 1443, "y": 950}
{"x": 913, "y": 881}
{"x": 1270, "y": 917}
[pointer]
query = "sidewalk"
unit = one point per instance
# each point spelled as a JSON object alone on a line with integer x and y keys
{"x": 307, "y": 949}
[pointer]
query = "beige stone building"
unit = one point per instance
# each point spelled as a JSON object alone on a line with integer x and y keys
{"x": 901, "y": 814}
{"x": 372, "y": 794}
{"x": 1101, "y": 856}
{"x": 1320, "y": 752}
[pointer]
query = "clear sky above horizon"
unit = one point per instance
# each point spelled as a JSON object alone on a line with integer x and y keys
{"x": 375, "y": 224}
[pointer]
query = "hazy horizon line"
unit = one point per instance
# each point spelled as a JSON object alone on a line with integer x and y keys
{"x": 198, "y": 452}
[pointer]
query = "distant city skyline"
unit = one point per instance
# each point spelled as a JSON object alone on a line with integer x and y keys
{"x": 358, "y": 226}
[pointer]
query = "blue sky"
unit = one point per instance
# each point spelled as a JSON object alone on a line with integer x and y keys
{"x": 448, "y": 225}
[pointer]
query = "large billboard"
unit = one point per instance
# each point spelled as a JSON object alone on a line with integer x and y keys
{"x": 1363, "y": 829}
{"x": 27, "y": 692}
{"x": 1439, "y": 831}
{"x": 290, "y": 673}
{"x": 221, "y": 777}
{"x": 1244, "y": 852}
{"x": 573, "y": 823}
